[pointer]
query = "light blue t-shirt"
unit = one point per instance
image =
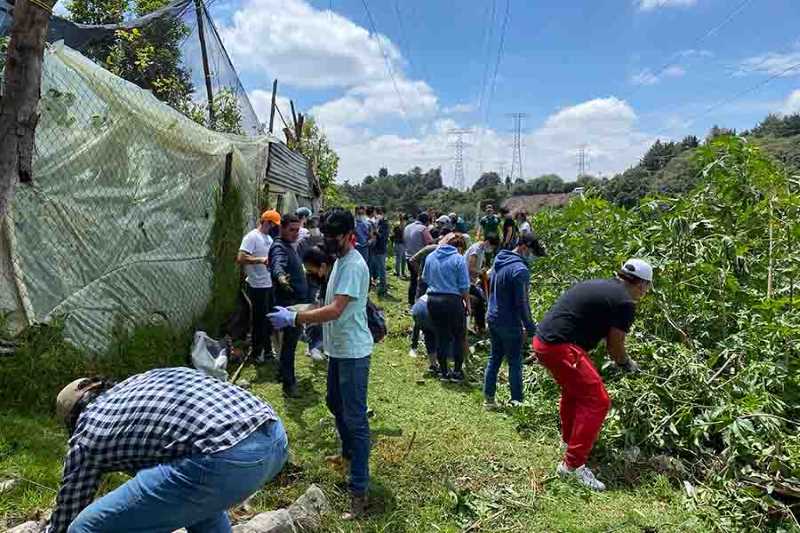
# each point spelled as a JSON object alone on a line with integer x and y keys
{"x": 348, "y": 337}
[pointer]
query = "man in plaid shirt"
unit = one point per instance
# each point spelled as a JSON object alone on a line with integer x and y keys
{"x": 197, "y": 446}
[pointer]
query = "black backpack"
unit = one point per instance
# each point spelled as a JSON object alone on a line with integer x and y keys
{"x": 376, "y": 322}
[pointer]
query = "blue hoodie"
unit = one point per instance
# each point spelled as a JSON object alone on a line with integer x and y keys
{"x": 445, "y": 271}
{"x": 508, "y": 293}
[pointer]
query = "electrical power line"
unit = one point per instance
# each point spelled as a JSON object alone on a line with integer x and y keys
{"x": 500, "y": 47}
{"x": 696, "y": 43}
{"x": 487, "y": 55}
{"x": 388, "y": 62}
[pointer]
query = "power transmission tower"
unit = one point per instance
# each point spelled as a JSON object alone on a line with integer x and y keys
{"x": 516, "y": 149}
{"x": 502, "y": 171}
{"x": 583, "y": 160}
{"x": 458, "y": 175}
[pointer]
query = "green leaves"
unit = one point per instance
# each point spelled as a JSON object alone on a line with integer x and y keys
{"x": 721, "y": 365}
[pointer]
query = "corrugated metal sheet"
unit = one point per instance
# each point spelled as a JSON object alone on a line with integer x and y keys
{"x": 288, "y": 171}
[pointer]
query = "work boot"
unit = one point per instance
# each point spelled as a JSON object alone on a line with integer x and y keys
{"x": 582, "y": 474}
{"x": 358, "y": 507}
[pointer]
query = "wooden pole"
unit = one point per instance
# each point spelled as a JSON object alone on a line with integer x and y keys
{"x": 20, "y": 99}
{"x": 198, "y": 7}
{"x": 272, "y": 108}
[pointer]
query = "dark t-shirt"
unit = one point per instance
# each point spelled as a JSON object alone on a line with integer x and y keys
{"x": 585, "y": 313}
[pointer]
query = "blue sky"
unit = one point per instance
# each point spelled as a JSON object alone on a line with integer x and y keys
{"x": 610, "y": 74}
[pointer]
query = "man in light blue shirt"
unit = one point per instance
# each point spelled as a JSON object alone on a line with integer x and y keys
{"x": 348, "y": 341}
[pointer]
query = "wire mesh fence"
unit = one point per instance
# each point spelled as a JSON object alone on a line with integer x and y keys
{"x": 116, "y": 227}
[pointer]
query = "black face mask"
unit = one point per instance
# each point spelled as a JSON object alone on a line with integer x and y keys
{"x": 332, "y": 245}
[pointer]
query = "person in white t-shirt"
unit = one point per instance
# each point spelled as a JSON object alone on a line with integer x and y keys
{"x": 254, "y": 257}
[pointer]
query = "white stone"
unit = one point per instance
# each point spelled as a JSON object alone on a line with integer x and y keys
{"x": 309, "y": 509}
{"x": 279, "y": 521}
{"x": 27, "y": 527}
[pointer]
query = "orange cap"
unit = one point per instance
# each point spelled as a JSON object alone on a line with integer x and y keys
{"x": 271, "y": 216}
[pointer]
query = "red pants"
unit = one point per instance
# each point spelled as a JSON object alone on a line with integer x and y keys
{"x": 584, "y": 400}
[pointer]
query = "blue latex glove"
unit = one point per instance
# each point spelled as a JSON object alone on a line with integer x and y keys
{"x": 282, "y": 318}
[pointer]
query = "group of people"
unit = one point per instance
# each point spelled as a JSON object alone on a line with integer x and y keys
{"x": 451, "y": 281}
{"x": 198, "y": 445}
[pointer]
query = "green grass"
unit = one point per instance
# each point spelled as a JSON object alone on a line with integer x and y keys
{"x": 439, "y": 461}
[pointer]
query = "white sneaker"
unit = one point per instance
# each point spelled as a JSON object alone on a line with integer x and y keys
{"x": 412, "y": 352}
{"x": 316, "y": 355}
{"x": 583, "y": 475}
{"x": 490, "y": 404}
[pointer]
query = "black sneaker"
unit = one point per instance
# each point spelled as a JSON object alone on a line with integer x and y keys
{"x": 456, "y": 376}
{"x": 433, "y": 370}
{"x": 444, "y": 375}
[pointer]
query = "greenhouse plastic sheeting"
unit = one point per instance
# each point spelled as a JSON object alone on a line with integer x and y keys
{"x": 115, "y": 227}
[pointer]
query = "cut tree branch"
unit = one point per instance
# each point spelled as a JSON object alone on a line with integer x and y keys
{"x": 20, "y": 97}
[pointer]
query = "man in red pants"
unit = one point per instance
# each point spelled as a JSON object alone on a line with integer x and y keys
{"x": 585, "y": 314}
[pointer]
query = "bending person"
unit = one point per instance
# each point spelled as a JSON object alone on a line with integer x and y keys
{"x": 198, "y": 446}
{"x": 581, "y": 317}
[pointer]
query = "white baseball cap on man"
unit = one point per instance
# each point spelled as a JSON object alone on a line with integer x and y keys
{"x": 638, "y": 268}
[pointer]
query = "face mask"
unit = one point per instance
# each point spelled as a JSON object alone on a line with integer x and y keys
{"x": 333, "y": 245}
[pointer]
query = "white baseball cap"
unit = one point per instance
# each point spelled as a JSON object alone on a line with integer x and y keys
{"x": 638, "y": 268}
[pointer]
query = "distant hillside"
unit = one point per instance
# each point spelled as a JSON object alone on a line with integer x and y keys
{"x": 536, "y": 202}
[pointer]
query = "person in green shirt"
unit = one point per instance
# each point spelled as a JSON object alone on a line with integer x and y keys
{"x": 489, "y": 224}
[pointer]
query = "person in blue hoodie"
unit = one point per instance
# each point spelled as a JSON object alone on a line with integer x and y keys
{"x": 509, "y": 314}
{"x": 446, "y": 275}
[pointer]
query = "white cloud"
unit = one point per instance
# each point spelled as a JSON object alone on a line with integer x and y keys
{"x": 306, "y": 47}
{"x": 647, "y": 5}
{"x": 378, "y": 100}
{"x": 772, "y": 63}
{"x": 692, "y": 52}
{"x": 608, "y": 126}
{"x": 464, "y": 107}
{"x": 648, "y": 77}
{"x": 792, "y": 104}
{"x": 262, "y": 100}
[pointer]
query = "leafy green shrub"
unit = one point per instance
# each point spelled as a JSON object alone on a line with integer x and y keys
{"x": 717, "y": 337}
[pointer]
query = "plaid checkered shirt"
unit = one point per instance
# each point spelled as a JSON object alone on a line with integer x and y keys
{"x": 149, "y": 419}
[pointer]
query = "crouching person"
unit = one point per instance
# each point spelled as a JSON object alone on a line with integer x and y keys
{"x": 197, "y": 446}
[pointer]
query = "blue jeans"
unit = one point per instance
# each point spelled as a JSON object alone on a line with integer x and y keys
{"x": 191, "y": 492}
{"x": 364, "y": 251}
{"x": 378, "y": 270}
{"x": 506, "y": 342}
{"x": 314, "y": 336}
{"x": 347, "y": 400}
{"x": 399, "y": 259}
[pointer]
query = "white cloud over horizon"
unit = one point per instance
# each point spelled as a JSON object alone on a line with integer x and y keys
{"x": 370, "y": 127}
{"x": 792, "y": 103}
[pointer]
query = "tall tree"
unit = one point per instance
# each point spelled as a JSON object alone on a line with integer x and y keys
{"x": 487, "y": 179}
{"x": 22, "y": 78}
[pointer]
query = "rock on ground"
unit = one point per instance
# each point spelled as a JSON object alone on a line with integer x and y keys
{"x": 279, "y": 521}
{"x": 27, "y": 527}
{"x": 309, "y": 509}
